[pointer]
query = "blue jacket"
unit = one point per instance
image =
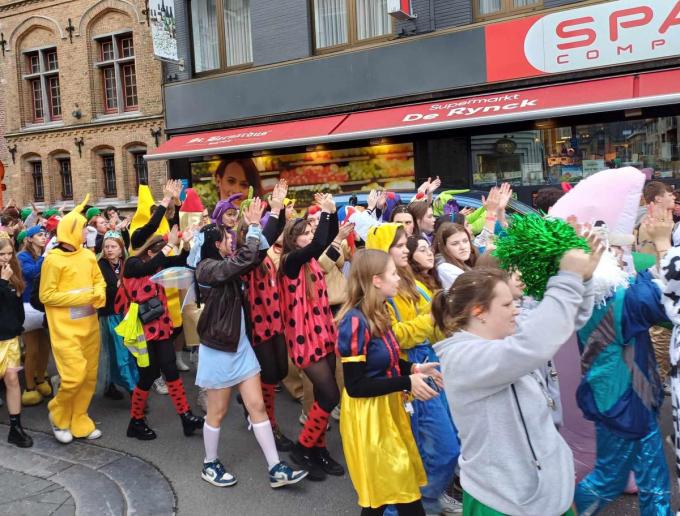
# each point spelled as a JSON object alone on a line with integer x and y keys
{"x": 30, "y": 269}
{"x": 621, "y": 388}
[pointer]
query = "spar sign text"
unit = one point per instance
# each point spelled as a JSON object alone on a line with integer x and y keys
{"x": 607, "y": 34}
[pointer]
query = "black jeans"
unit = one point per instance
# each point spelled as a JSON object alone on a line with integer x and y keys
{"x": 403, "y": 509}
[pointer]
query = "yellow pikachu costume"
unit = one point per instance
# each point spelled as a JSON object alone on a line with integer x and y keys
{"x": 72, "y": 288}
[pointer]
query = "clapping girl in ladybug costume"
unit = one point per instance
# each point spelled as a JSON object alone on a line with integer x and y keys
{"x": 310, "y": 331}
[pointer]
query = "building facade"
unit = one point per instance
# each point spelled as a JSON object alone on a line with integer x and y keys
{"x": 83, "y": 102}
{"x": 343, "y": 95}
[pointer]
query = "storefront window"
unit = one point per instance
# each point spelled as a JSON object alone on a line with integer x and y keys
{"x": 388, "y": 166}
{"x": 558, "y": 154}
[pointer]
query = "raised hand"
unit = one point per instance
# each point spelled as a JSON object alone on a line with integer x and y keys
{"x": 345, "y": 231}
{"x": 172, "y": 189}
{"x": 372, "y": 200}
{"x": 173, "y": 236}
{"x": 576, "y": 261}
{"x": 327, "y": 203}
{"x": 466, "y": 211}
{"x": 597, "y": 248}
{"x": 425, "y": 187}
{"x": 505, "y": 194}
{"x": 492, "y": 201}
{"x": 436, "y": 183}
{"x": 278, "y": 195}
{"x": 253, "y": 213}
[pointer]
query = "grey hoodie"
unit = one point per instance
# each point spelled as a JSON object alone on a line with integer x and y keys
{"x": 497, "y": 464}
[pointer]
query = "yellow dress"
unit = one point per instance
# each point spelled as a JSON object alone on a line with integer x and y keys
{"x": 72, "y": 288}
{"x": 381, "y": 453}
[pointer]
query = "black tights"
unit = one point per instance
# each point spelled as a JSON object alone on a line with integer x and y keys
{"x": 322, "y": 376}
{"x": 161, "y": 358}
{"x": 272, "y": 355}
{"x": 403, "y": 509}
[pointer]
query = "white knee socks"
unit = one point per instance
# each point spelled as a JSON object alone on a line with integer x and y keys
{"x": 265, "y": 438}
{"x": 211, "y": 439}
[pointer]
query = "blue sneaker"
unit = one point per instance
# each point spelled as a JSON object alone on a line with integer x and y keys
{"x": 214, "y": 473}
{"x": 282, "y": 475}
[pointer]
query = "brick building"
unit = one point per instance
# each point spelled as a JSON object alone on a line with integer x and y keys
{"x": 82, "y": 97}
{"x": 344, "y": 95}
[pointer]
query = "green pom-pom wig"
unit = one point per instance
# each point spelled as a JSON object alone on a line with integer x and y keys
{"x": 534, "y": 246}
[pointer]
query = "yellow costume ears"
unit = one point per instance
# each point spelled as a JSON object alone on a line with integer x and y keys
{"x": 81, "y": 206}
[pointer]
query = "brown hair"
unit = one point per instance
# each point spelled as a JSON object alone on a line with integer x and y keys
{"x": 654, "y": 189}
{"x": 446, "y": 230}
{"x": 28, "y": 247}
{"x": 291, "y": 232}
{"x": 418, "y": 210}
{"x": 362, "y": 295}
{"x": 546, "y": 198}
{"x": 407, "y": 285}
{"x": 402, "y": 208}
{"x": 249, "y": 169}
{"x": 428, "y": 278}
{"x": 472, "y": 290}
{"x": 17, "y": 279}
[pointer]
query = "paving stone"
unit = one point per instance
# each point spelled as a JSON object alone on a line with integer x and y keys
{"x": 93, "y": 492}
{"x": 87, "y": 454}
{"x": 23, "y": 494}
{"x": 31, "y": 463}
{"x": 146, "y": 491}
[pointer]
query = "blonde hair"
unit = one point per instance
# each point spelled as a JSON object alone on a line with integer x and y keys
{"x": 361, "y": 293}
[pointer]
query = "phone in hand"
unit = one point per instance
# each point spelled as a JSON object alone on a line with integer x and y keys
{"x": 432, "y": 384}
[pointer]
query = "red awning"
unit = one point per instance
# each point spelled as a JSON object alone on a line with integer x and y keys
{"x": 256, "y": 137}
{"x": 613, "y": 94}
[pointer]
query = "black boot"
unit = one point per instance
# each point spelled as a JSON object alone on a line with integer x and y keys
{"x": 324, "y": 460}
{"x": 283, "y": 444}
{"x": 112, "y": 393}
{"x": 140, "y": 430}
{"x": 302, "y": 456}
{"x": 191, "y": 423}
{"x": 19, "y": 437}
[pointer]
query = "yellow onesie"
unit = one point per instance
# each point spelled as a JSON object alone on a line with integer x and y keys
{"x": 72, "y": 288}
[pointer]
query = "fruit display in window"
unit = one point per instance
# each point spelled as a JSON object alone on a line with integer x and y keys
{"x": 313, "y": 174}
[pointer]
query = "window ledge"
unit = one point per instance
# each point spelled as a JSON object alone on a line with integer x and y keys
{"x": 41, "y": 127}
{"x": 118, "y": 116}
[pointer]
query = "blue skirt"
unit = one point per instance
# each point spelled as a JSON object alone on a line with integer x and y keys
{"x": 222, "y": 369}
{"x": 116, "y": 363}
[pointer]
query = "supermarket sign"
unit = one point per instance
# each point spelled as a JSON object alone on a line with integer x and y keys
{"x": 608, "y": 34}
{"x": 492, "y": 108}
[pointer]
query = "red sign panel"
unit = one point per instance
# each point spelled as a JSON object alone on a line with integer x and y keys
{"x": 448, "y": 112}
{"x": 608, "y": 34}
{"x": 282, "y": 134}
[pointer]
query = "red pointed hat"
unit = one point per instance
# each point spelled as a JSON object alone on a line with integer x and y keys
{"x": 192, "y": 203}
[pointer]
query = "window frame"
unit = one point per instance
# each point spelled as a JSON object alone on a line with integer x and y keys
{"x": 43, "y": 77}
{"x": 117, "y": 63}
{"x": 104, "y": 159}
{"x": 62, "y": 175}
{"x": 352, "y": 28}
{"x": 507, "y": 9}
{"x": 34, "y": 176}
{"x": 138, "y": 162}
{"x": 221, "y": 47}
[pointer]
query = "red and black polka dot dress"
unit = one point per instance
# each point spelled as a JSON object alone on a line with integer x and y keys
{"x": 264, "y": 301}
{"x": 141, "y": 290}
{"x": 308, "y": 324}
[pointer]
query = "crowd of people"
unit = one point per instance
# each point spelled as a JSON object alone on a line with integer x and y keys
{"x": 429, "y": 329}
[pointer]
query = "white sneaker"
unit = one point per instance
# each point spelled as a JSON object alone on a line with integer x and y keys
{"x": 450, "y": 505}
{"x": 181, "y": 365}
{"x": 335, "y": 413}
{"x": 95, "y": 434}
{"x": 159, "y": 386}
{"x": 63, "y": 436}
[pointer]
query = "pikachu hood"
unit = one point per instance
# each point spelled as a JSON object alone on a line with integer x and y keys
{"x": 382, "y": 237}
{"x": 70, "y": 228}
